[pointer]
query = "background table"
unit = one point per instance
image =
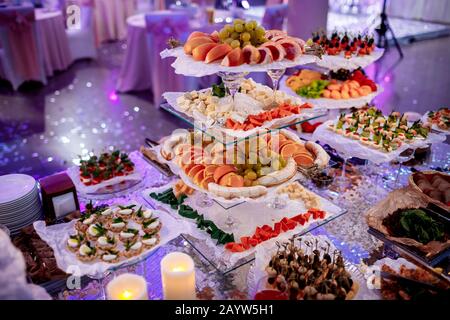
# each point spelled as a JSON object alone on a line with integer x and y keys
{"x": 53, "y": 40}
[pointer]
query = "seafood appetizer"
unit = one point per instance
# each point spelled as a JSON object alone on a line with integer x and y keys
{"x": 371, "y": 128}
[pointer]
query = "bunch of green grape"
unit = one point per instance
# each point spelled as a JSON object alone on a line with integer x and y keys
{"x": 243, "y": 33}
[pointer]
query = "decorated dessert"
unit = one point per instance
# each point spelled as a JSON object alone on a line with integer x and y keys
{"x": 101, "y": 168}
{"x": 344, "y": 44}
{"x": 313, "y": 85}
{"x": 310, "y": 272}
{"x": 245, "y": 169}
{"x": 125, "y": 231}
{"x": 373, "y": 129}
{"x": 243, "y": 42}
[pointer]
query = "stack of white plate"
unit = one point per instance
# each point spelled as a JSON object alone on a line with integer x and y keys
{"x": 20, "y": 204}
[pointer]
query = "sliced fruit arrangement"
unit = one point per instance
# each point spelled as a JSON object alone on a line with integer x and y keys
{"x": 340, "y": 85}
{"x": 371, "y": 128}
{"x": 255, "y": 121}
{"x": 245, "y": 169}
{"x": 346, "y": 44}
{"x": 267, "y": 232}
{"x": 243, "y": 42}
{"x": 101, "y": 168}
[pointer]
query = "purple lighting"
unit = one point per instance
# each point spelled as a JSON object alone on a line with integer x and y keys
{"x": 387, "y": 79}
{"x": 113, "y": 96}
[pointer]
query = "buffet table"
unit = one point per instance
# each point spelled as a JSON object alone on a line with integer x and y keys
{"x": 348, "y": 233}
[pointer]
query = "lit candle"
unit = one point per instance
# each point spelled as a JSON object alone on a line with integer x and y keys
{"x": 127, "y": 286}
{"x": 178, "y": 276}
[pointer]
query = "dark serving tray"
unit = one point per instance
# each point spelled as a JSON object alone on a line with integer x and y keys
{"x": 413, "y": 253}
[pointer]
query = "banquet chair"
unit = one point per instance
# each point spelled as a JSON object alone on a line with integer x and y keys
{"x": 161, "y": 25}
{"x": 21, "y": 56}
{"x": 274, "y": 16}
{"x": 82, "y": 39}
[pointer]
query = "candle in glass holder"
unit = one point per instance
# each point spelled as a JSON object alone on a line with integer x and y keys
{"x": 178, "y": 277}
{"x": 127, "y": 286}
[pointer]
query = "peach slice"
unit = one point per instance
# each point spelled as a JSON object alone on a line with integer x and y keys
{"x": 304, "y": 160}
{"x": 196, "y": 34}
{"x": 218, "y": 52}
{"x": 225, "y": 179}
{"x": 200, "y": 52}
{"x": 195, "y": 169}
{"x": 195, "y": 42}
{"x": 236, "y": 181}
{"x": 288, "y": 150}
{"x": 187, "y": 167}
{"x": 199, "y": 176}
{"x": 209, "y": 170}
{"x": 233, "y": 58}
{"x": 207, "y": 180}
{"x": 215, "y": 36}
{"x": 223, "y": 170}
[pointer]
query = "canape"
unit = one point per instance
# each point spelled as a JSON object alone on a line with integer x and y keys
{"x": 150, "y": 239}
{"x": 105, "y": 215}
{"x": 75, "y": 241}
{"x": 106, "y": 242}
{"x": 116, "y": 225}
{"x": 95, "y": 231}
{"x": 84, "y": 222}
{"x": 142, "y": 214}
{"x": 128, "y": 235}
{"x": 125, "y": 213}
{"x": 133, "y": 248}
{"x": 87, "y": 252}
{"x": 110, "y": 256}
{"x": 152, "y": 225}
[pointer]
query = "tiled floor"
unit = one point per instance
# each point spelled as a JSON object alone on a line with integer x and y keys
{"x": 45, "y": 129}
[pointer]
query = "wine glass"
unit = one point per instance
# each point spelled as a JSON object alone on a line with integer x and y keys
{"x": 100, "y": 278}
{"x": 275, "y": 75}
{"x": 342, "y": 181}
{"x": 232, "y": 81}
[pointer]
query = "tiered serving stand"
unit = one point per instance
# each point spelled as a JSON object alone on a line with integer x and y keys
{"x": 232, "y": 78}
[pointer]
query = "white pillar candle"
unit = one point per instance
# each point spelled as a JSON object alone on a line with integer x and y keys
{"x": 127, "y": 286}
{"x": 178, "y": 277}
